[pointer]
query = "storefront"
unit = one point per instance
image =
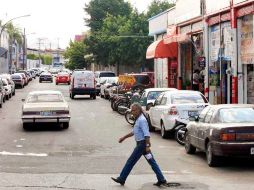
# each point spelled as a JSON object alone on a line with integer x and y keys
{"x": 246, "y": 53}
{"x": 220, "y": 65}
{"x": 191, "y": 55}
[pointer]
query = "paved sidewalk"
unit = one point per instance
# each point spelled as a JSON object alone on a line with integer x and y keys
{"x": 58, "y": 181}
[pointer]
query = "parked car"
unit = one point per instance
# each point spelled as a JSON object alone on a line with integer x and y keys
{"x": 7, "y": 87}
{"x": 46, "y": 76}
{"x": 82, "y": 83}
{"x": 10, "y": 82}
{"x": 18, "y": 80}
{"x": 2, "y": 93}
{"x": 45, "y": 107}
{"x": 222, "y": 130}
{"x": 24, "y": 77}
{"x": 99, "y": 75}
{"x": 28, "y": 75}
{"x": 172, "y": 106}
{"x": 108, "y": 82}
{"x": 63, "y": 77}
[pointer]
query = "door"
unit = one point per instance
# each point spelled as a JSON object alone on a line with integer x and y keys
{"x": 154, "y": 115}
{"x": 172, "y": 73}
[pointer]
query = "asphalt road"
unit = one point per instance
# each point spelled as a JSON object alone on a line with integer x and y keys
{"x": 87, "y": 154}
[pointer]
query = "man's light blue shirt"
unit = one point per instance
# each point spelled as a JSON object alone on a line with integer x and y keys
{"x": 141, "y": 129}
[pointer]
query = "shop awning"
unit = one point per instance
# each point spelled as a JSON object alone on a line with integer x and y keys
{"x": 177, "y": 38}
{"x": 160, "y": 50}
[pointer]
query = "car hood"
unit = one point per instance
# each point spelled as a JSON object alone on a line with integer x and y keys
{"x": 45, "y": 106}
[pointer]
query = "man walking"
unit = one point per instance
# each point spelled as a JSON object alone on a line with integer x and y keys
{"x": 142, "y": 137}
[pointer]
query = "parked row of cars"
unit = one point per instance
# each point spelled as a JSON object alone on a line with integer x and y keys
{"x": 218, "y": 130}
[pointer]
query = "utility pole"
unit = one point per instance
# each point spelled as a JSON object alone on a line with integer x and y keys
{"x": 40, "y": 43}
{"x": 24, "y": 48}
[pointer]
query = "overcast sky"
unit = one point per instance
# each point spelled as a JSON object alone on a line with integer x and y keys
{"x": 52, "y": 20}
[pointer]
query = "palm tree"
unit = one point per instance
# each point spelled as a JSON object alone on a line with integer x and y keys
{"x": 15, "y": 35}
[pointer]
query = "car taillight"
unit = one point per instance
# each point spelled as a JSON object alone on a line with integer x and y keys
{"x": 228, "y": 136}
{"x": 172, "y": 111}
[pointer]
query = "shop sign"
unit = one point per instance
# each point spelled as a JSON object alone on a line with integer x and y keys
{"x": 202, "y": 62}
{"x": 246, "y": 37}
{"x": 228, "y": 41}
{"x": 215, "y": 42}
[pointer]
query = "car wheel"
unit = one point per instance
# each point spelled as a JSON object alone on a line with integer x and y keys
{"x": 56, "y": 83}
{"x": 151, "y": 128}
{"x": 189, "y": 148}
{"x": 3, "y": 99}
{"x": 14, "y": 93}
{"x": 7, "y": 97}
{"x": 102, "y": 96}
{"x": 39, "y": 81}
{"x": 179, "y": 134}
{"x": 164, "y": 133}
{"x": 1, "y": 105}
{"x": 211, "y": 159}
{"x": 26, "y": 126}
{"x": 65, "y": 125}
{"x": 72, "y": 95}
{"x": 68, "y": 83}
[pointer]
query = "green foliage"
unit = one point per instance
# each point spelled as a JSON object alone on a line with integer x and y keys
{"x": 75, "y": 54}
{"x": 32, "y": 57}
{"x": 98, "y": 11}
{"x": 158, "y": 6}
{"x": 46, "y": 59}
{"x": 14, "y": 33}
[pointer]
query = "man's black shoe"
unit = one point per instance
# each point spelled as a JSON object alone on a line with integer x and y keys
{"x": 117, "y": 180}
{"x": 159, "y": 183}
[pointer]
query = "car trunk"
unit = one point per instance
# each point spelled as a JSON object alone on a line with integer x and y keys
{"x": 44, "y": 106}
{"x": 243, "y": 131}
{"x": 190, "y": 110}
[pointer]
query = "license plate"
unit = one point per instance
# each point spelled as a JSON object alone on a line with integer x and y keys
{"x": 252, "y": 150}
{"x": 46, "y": 113}
{"x": 192, "y": 113}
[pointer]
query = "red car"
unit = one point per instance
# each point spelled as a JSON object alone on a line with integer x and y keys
{"x": 63, "y": 78}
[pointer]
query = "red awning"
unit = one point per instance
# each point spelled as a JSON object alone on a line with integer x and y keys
{"x": 160, "y": 50}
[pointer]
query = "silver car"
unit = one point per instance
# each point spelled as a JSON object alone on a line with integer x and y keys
{"x": 45, "y": 107}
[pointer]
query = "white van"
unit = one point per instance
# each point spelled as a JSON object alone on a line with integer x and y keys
{"x": 82, "y": 83}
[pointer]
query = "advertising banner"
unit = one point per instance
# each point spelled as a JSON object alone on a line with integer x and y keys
{"x": 246, "y": 35}
{"x": 215, "y": 42}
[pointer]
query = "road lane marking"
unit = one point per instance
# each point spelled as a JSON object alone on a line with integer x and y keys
{"x": 4, "y": 153}
{"x": 19, "y": 146}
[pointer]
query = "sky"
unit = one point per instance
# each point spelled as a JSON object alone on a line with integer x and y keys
{"x": 53, "y": 23}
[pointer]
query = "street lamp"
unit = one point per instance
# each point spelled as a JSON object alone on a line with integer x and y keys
{"x": 24, "y": 48}
{"x": 4, "y": 25}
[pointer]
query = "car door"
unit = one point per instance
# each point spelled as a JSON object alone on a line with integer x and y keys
{"x": 154, "y": 115}
{"x": 194, "y": 130}
{"x": 203, "y": 129}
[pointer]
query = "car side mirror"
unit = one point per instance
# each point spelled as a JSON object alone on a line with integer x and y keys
{"x": 194, "y": 118}
{"x": 148, "y": 106}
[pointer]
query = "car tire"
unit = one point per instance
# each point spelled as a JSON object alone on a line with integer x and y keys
{"x": 179, "y": 134}
{"x": 164, "y": 133}
{"x": 1, "y": 105}
{"x": 94, "y": 96}
{"x": 14, "y": 93}
{"x": 39, "y": 81}
{"x": 212, "y": 160}
{"x": 65, "y": 125}
{"x": 102, "y": 96}
{"x": 26, "y": 126}
{"x": 151, "y": 128}
{"x": 68, "y": 83}
{"x": 189, "y": 148}
{"x": 72, "y": 95}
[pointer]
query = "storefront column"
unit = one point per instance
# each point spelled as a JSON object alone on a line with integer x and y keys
{"x": 206, "y": 52}
{"x": 234, "y": 57}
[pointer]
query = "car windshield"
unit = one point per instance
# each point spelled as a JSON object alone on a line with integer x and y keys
{"x": 187, "y": 98}
{"x": 153, "y": 95}
{"x": 37, "y": 98}
{"x": 236, "y": 115}
{"x": 107, "y": 75}
{"x": 15, "y": 76}
{"x": 142, "y": 79}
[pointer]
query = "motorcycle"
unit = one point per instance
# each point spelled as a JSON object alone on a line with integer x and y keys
{"x": 180, "y": 131}
{"x": 129, "y": 117}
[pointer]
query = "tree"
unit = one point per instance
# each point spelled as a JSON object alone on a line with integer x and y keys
{"x": 158, "y": 6}
{"x": 46, "y": 59}
{"x": 75, "y": 54}
{"x": 98, "y": 11}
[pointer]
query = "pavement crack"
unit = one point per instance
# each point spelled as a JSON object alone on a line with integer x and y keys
{"x": 46, "y": 187}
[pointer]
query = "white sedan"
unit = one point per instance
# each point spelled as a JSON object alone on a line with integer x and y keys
{"x": 45, "y": 107}
{"x": 174, "y": 106}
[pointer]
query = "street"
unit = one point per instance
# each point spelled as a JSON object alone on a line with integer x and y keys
{"x": 87, "y": 154}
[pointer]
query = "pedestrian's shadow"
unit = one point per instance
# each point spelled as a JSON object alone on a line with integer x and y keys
{"x": 176, "y": 185}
